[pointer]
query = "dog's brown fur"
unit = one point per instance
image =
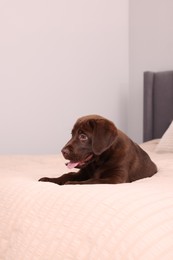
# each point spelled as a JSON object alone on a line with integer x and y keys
{"x": 104, "y": 155}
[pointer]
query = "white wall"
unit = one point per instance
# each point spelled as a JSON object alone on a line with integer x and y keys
{"x": 60, "y": 60}
{"x": 151, "y": 48}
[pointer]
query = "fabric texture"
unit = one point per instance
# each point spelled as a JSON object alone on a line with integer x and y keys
{"x": 45, "y": 221}
{"x": 166, "y": 142}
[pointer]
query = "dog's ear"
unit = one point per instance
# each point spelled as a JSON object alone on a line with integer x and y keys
{"x": 104, "y": 135}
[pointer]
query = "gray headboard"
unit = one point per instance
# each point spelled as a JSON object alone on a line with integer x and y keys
{"x": 158, "y": 103}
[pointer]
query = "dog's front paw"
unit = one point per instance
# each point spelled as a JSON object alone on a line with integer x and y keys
{"x": 46, "y": 179}
{"x": 59, "y": 181}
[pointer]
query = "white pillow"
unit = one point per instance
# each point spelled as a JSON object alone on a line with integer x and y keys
{"x": 166, "y": 142}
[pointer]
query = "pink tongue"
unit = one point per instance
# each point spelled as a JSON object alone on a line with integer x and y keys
{"x": 71, "y": 165}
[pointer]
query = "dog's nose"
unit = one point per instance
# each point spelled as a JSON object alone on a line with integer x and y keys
{"x": 65, "y": 151}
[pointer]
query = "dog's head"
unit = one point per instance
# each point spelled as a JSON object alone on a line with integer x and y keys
{"x": 91, "y": 136}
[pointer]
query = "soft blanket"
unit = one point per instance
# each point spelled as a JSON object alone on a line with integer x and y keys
{"x": 44, "y": 221}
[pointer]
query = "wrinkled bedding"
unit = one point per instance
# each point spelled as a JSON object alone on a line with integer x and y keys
{"x": 44, "y": 221}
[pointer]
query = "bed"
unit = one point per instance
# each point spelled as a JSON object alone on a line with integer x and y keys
{"x": 44, "y": 221}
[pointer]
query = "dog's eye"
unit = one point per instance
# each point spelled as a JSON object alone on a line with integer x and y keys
{"x": 83, "y": 137}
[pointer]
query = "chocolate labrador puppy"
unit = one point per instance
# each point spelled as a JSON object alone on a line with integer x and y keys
{"x": 103, "y": 154}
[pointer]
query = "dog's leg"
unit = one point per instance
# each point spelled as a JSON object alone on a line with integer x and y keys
{"x": 71, "y": 176}
{"x": 93, "y": 181}
{"x": 90, "y": 181}
{"x": 59, "y": 180}
{"x": 108, "y": 177}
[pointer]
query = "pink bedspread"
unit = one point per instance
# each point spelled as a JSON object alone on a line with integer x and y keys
{"x": 44, "y": 221}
